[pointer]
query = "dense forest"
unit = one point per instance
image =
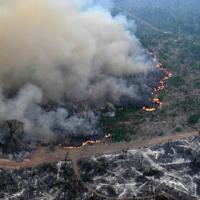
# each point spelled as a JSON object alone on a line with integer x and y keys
{"x": 177, "y": 16}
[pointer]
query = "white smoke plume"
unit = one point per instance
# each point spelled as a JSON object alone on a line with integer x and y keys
{"x": 64, "y": 51}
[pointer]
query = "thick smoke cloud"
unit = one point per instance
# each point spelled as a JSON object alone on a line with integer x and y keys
{"x": 68, "y": 52}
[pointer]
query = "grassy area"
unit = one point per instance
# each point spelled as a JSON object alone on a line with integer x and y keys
{"x": 194, "y": 119}
{"x": 120, "y": 135}
{"x": 114, "y": 125}
{"x": 177, "y": 81}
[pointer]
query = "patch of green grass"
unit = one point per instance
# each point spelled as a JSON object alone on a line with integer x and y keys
{"x": 189, "y": 103}
{"x": 121, "y": 115}
{"x": 173, "y": 114}
{"x": 124, "y": 114}
{"x": 194, "y": 119}
{"x": 178, "y": 129}
{"x": 195, "y": 65}
{"x": 120, "y": 135}
{"x": 196, "y": 84}
{"x": 177, "y": 81}
{"x": 106, "y": 121}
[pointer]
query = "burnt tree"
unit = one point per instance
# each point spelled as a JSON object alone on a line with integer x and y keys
{"x": 14, "y": 127}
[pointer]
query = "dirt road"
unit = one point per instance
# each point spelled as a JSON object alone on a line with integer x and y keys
{"x": 42, "y": 155}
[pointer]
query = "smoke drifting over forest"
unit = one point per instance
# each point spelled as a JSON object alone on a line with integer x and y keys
{"x": 70, "y": 53}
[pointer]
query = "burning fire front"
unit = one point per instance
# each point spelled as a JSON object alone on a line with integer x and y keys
{"x": 156, "y": 101}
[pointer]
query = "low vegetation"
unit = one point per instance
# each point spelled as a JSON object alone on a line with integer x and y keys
{"x": 179, "y": 52}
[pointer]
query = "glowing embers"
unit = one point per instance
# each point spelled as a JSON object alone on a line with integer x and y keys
{"x": 156, "y": 101}
{"x": 148, "y": 109}
{"x": 108, "y": 136}
{"x": 91, "y": 142}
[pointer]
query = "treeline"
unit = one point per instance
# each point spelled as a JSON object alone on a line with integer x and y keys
{"x": 177, "y": 16}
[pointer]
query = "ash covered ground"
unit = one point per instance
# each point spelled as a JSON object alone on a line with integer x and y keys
{"x": 171, "y": 170}
{"x": 49, "y": 181}
{"x": 167, "y": 171}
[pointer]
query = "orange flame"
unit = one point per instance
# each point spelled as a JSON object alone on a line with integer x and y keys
{"x": 156, "y": 100}
{"x": 90, "y": 142}
{"x": 160, "y": 87}
{"x": 149, "y": 109}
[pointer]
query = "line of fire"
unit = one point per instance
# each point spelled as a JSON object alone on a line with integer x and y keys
{"x": 156, "y": 101}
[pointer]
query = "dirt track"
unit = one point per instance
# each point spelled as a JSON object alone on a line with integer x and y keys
{"x": 42, "y": 155}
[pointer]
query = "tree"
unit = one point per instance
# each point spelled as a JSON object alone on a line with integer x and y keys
{"x": 14, "y": 126}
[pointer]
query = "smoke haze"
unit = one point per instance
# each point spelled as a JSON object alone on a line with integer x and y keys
{"x": 67, "y": 53}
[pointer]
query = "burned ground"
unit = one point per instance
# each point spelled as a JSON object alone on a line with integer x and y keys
{"x": 166, "y": 171}
{"x": 171, "y": 169}
{"x": 48, "y": 181}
